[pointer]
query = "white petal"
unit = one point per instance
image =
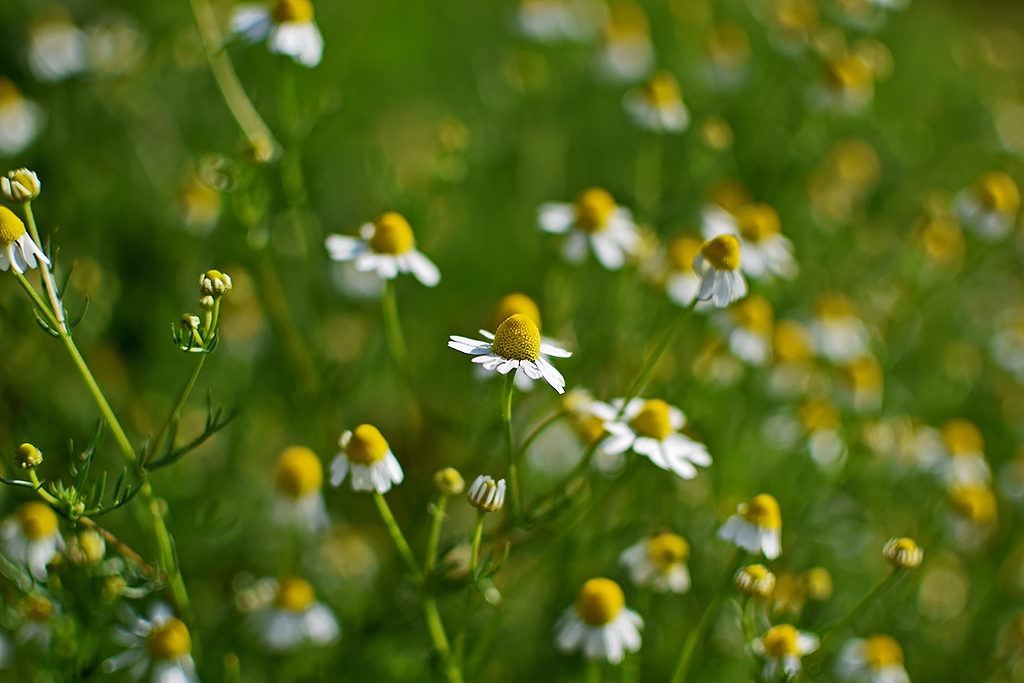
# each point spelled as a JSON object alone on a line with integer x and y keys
{"x": 556, "y": 217}
{"x": 339, "y": 469}
{"x": 608, "y": 252}
{"x": 575, "y": 248}
{"x": 252, "y": 21}
{"x": 423, "y": 269}
{"x": 344, "y": 248}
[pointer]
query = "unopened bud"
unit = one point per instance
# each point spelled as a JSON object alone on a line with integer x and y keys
{"x": 449, "y": 481}
{"x": 755, "y": 579}
{"x": 28, "y": 456}
{"x": 487, "y": 494}
{"x": 214, "y": 283}
{"x": 21, "y": 185}
{"x": 87, "y": 549}
{"x": 190, "y": 321}
{"x": 903, "y": 553}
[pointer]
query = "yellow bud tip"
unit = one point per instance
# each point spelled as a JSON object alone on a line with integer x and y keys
{"x": 599, "y": 601}
{"x": 299, "y": 472}
{"x": 594, "y": 206}
{"x": 366, "y": 445}
{"x": 763, "y": 511}
{"x": 292, "y": 11}
{"x": 653, "y": 420}
{"x": 882, "y": 651}
{"x": 37, "y": 520}
{"x": 781, "y": 641}
{"x": 11, "y": 227}
{"x": 722, "y": 252}
{"x": 449, "y": 481}
{"x": 169, "y": 641}
{"x": 668, "y": 550}
{"x": 392, "y": 234}
{"x": 517, "y": 338}
{"x": 294, "y": 594}
{"x": 757, "y": 221}
{"x": 28, "y": 456}
{"x": 514, "y": 303}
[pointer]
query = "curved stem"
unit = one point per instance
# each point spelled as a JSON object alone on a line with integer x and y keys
{"x": 474, "y": 553}
{"x": 175, "y": 413}
{"x": 48, "y": 282}
{"x": 506, "y": 417}
{"x": 434, "y": 537}
{"x": 837, "y": 628}
{"x": 396, "y": 535}
{"x": 393, "y": 326}
{"x": 666, "y": 340}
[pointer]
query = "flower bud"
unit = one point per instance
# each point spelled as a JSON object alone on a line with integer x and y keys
{"x": 28, "y": 456}
{"x": 21, "y": 185}
{"x": 190, "y": 321}
{"x": 87, "y": 549}
{"x": 214, "y": 283}
{"x": 487, "y": 494}
{"x": 903, "y": 553}
{"x": 755, "y": 579}
{"x": 449, "y": 481}
{"x": 206, "y": 303}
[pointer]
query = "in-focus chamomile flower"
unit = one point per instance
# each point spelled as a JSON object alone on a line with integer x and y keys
{"x": 160, "y": 645}
{"x": 782, "y": 647}
{"x": 516, "y": 344}
{"x": 749, "y": 326}
{"x": 821, "y": 424}
{"x": 628, "y": 53}
{"x": 56, "y": 47}
{"x": 288, "y": 26}
{"x": 294, "y": 617}
{"x": 718, "y": 264}
{"x": 756, "y": 527}
{"x": 20, "y": 185}
{"x": 848, "y": 84}
{"x": 863, "y": 381}
{"x": 903, "y": 553}
{"x": 1007, "y": 344}
{"x": 31, "y": 537}
{"x": 839, "y": 335}
{"x": 877, "y": 659}
{"x": 365, "y": 451}
{"x": 593, "y": 220}
{"x": 651, "y": 428}
{"x": 599, "y": 623}
{"x": 17, "y": 248}
{"x": 20, "y": 119}
{"x": 510, "y": 305}
{"x": 659, "y": 562}
{"x": 793, "y": 351}
{"x": 755, "y": 579}
{"x": 964, "y": 462}
{"x": 990, "y": 206}
{"x": 728, "y": 50}
{"x": 298, "y": 500}
{"x": 38, "y": 613}
{"x": 657, "y": 105}
{"x": 682, "y": 283}
{"x": 766, "y": 251}
{"x": 386, "y": 246}
{"x": 486, "y": 494}
{"x": 554, "y": 21}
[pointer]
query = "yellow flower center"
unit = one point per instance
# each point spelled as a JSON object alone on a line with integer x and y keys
{"x": 763, "y": 511}
{"x": 755, "y": 314}
{"x": 594, "y": 206}
{"x": 864, "y": 373}
{"x": 11, "y": 227}
{"x": 294, "y": 11}
{"x": 599, "y": 601}
{"x": 37, "y": 520}
{"x": 514, "y": 303}
{"x": 294, "y": 594}
{"x": 722, "y": 252}
{"x": 819, "y": 583}
{"x": 8, "y": 91}
{"x": 796, "y": 15}
{"x": 653, "y": 420}
{"x": 757, "y": 572}
{"x": 943, "y": 240}
{"x": 517, "y": 338}
{"x": 662, "y": 89}
{"x": 627, "y": 20}
{"x": 757, "y": 221}
{"x": 818, "y": 414}
{"x": 299, "y": 472}
{"x": 962, "y": 436}
{"x": 728, "y": 45}
{"x": 792, "y": 342}
{"x": 366, "y": 446}
{"x": 849, "y": 73}
{"x": 998, "y": 192}
{"x": 590, "y": 428}
{"x": 977, "y": 503}
{"x": 780, "y": 641}
{"x": 667, "y": 550}
{"x": 729, "y": 194}
{"x": 38, "y": 609}
{"x": 169, "y": 641}
{"x": 883, "y": 651}
{"x": 856, "y": 162}
{"x": 392, "y": 234}
{"x": 681, "y": 253}
{"x": 835, "y": 306}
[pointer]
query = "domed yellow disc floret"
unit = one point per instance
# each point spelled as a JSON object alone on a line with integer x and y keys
{"x": 962, "y": 436}
{"x": 392, "y": 234}
{"x": 299, "y": 472}
{"x": 864, "y": 373}
{"x": 728, "y": 44}
{"x": 667, "y": 550}
{"x": 662, "y": 89}
{"x": 976, "y": 503}
{"x": 781, "y": 640}
{"x": 599, "y": 601}
{"x": 517, "y": 339}
{"x": 11, "y": 227}
{"x": 755, "y": 579}
{"x": 681, "y": 252}
{"x": 755, "y": 314}
{"x": 792, "y": 342}
{"x": 763, "y": 511}
{"x": 653, "y": 420}
{"x": 294, "y": 594}
{"x": 998, "y": 192}
{"x": 722, "y": 252}
{"x": 849, "y": 72}
{"x": 37, "y": 520}
{"x": 296, "y": 11}
{"x": 366, "y": 446}
{"x": 510, "y": 304}
{"x": 882, "y": 651}
{"x": 818, "y": 414}
{"x": 169, "y": 641}
{"x": 594, "y": 206}
{"x": 834, "y": 306}
{"x": 903, "y": 552}
{"x": 757, "y": 221}
{"x": 38, "y": 609}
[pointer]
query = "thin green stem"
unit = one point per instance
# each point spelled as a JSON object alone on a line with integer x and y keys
{"x": 393, "y": 326}
{"x": 539, "y": 429}
{"x": 593, "y": 671}
{"x": 434, "y": 537}
{"x": 158, "y": 442}
{"x": 437, "y": 634}
{"x": 515, "y": 494}
{"x": 474, "y": 553}
{"x": 48, "y": 282}
{"x": 396, "y": 535}
{"x": 666, "y": 340}
{"x": 838, "y": 627}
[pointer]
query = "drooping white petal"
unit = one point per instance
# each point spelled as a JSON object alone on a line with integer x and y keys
{"x": 339, "y": 469}
{"x": 423, "y": 268}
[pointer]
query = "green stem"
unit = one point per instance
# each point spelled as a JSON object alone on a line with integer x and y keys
{"x": 393, "y": 326}
{"x": 666, "y": 340}
{"x": 593, "y": 671}
{"x": 434, "y": 537}
{"x": 175, "y": 413}
{"x": 48, "y": 282}
{"x": 539, "y": 429}
{"x": 474, "y": 553}
{"x": 697, "y": 634}
{"x": 396, "y": 535}
{"x": 513, "y": 474}
{"x": 839, "y": 626}
{"x": 436, "y": 629}
{"x": 284, "y": 325}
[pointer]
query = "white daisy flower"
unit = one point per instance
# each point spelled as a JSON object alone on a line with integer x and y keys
{"x": 903, "y": 553}
{"x": 31, "y": 537}
{"x": 294, "y": 617}
{"x": 791, "y": 23}
{"x": 288, "y": 26}
{"x": 17, "y": 248}
{"x": 651, "y": 429}
{"x": 782, "y": 647}
{"x": 487, "y": 494}
{"x": 56, "y": 47}
{"x": 877, "y": 659}
{"x": 20, "y": 119}
{"x": 657, "y": 105}
{"x": 516, "y": 344}
{"x": 975, "y": 511}
{"x": 367, "y": 454}
{"x": 755, "y": 579}
{"x": 298, "y": 500}
{"x": 682, "y": 283}
{"x": 20, "y": 185}
{"x": 962, "y": 461}
{"x": 839, "y": 335}
{"x": 594, "y": 219}
{"x": 160, "y": 645}
{"x": 506, "y": 307}
{"x": 554, "y": 21}
{"x": 766, "y": 251}
{"x": 719, "y": 266}
{"x": 628, "y": 53}
{"x": 38, "y": 614}
{"x": 848, "y": 85}
{"x": 1007, "y": 344}
{"x": 990, "y": 206}
{"x": 821, "y": 424}
{"x": 659, "y": 562}
{"x": 863, "y": 382}
{"x": 756, "y": 527}
{"x": 386, "y": 246}
{"x": 599, "y": 623}
{"x": 749, "y": 326}
{"x": 728, "y": 56}
{"x": 793, "y": 352}
{"x": 116, "y": 46}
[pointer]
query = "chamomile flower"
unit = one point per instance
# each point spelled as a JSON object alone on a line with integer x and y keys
{"x": 367, "y": 454}
{"x": 386, "y": 246}
{"x": 755, "y": 579}
{"x": 840, "y": 187}
{"x": 862, "y": 381}
{"x": 718, "y": 264}
{"x": 651, "y": 428}
{"x": 294, "y": 617}
{"x": 877, "y": 659}
{"x": 56, "y": 47}
{"x": 516, "y": 344}
{"x": 554, "y": 21}
{"x": 820, "y": 586}
{"x": 749, "y": 327}
{"x": 20, "y": 185}
{"x": 657, "y": 105}
{"x": 903, "y": 553}
{"x": 17, "y": 248}
{"x": 659, "y": 562}
{"x": 599, "y": 623}
{"x": 839, "y": 335}
{"x": 728, "y": 56}
{"x": 160, "y": 645}
{"x": 506, "y": 307}
{"x": 288, "y": 26}
{"x": 298, "y": 500}
{"x": 38, "y": 613}
{"x": 579, "y": 405}
{"x": 975, "y": 511}
{"x": 628, "y": 53}
{"x": 990, "y": 206}
{"x": 486, "y": 494}
{"x": 941, "y": 239}
{"x": 682, "y": 283}
{"x": 20, "y": 119}
{"x": 766, "y": 252}
{"x": 782, "y": 647}
{"x": 848, "y": 85}
{"x": 593, "y": 220}
{"x": 756, "y": 527}
{"x": 31, "y": 537}
{"x": 791, "y": 23}
{"x": 964, "y": 462}
{"x": 793, "y": 351}
{"x": 1007, "y": 344}
{"x": 821, "y": 424}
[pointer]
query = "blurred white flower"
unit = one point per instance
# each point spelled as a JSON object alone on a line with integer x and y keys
{"x": 748, "y": 325}
{"x": 554, "y": 21}
{"x": 20, "y": 119}
{"x": 659, "y": 562}
{"x": 651, "y": 429}
{"x": 367, "y": 454}
{"x": 293, "y": 617}
{"x": 657, "y": 105}
{"x": 386, "y": 246}
{"x": 298, "y": 500}
{"x": 594, "y": 219}
{"x": 160, "y": 645}
{"x": 288, "y": 26}
{"x": 599, "y": 623}
{"x": 682, "y": 283}
{"x": 628, "y": 53}
{"x": 756, "y": 527}
{"x": 31, "y": 537}
{"x": 56, "y": 47}
{"x": 877, "y": 659}
{"x": 839, "y": 335}
{"x": 38, "y": 613}
{"x": 990, "y": 206}
{"x": 782, "y": 647}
